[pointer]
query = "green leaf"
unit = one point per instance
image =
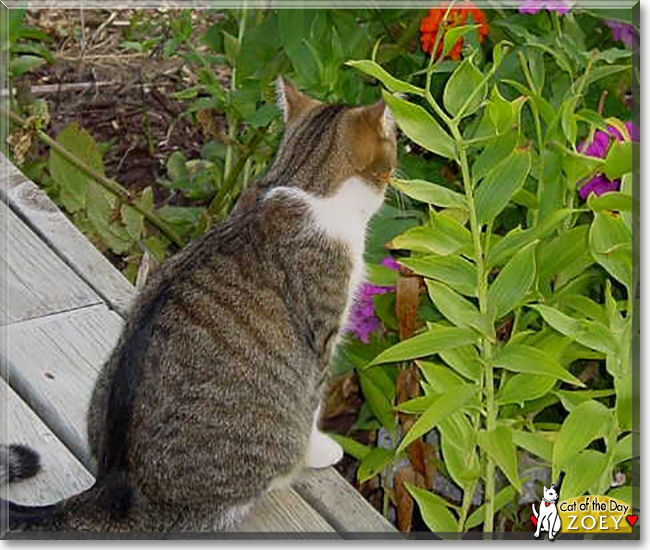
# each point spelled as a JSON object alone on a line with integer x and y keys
{"x": 441, "y": 408}
{"x": 373, "y": 463}
{"x": 458, "y": 445}
{"x": 134, "y": 221}
{"x": 503, "y": 497}
{"x": 439, "y": 377}
{"x": 500, "y": 112}
{"x": 496, "y": 152}
{"x": 457, "y": 309}
{"x": 460, "y": 86}
{"x": 431, "y": 193}
{"x": 589, "y": 421}
{"x": 434, "y": 510}
{"x": 534, "y": 443}
{"x": 380, "y": 275}
{"x": 513, "y": 282}
{"x": 381, "y": 407}
{"x": 610, "y": 201}
{"x": 624, "y": 449}
{"x": 24, "y": 63}
{"x": 618, "y": 160}
{"x": 351, "y": 446}
{"x": 592, "y": 334}
{"x": 420, "y": 126}
{"x": 571, "y": 399}
{"x": 525, "y": 387}
{"x": 442, "y": 236}
{"x": 428, "y": 343}
{"x": 71, "y": 180}
{"x": 456, "y": 271}
{"x": 500, "y": 184}
{"x": 464, "y": 360}
{"x": 497, "y": 444}
{"x": 569, "y": 124}
{"x": 610, "y": 243}
{"x": 516, "y": 239}
{"x": 453, "y": 35}
{"x": 526, "y": 359}
{"x": 393, "y": 84}
{"x": 583, "y": 472}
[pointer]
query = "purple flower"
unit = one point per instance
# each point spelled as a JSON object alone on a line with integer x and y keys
{"x": 362, "y": 320}
{"x": 600, "y": 184}
{"x": 390, "y": 263}
{"x": 623, "y": 33}
{"x": 532, "y": 7}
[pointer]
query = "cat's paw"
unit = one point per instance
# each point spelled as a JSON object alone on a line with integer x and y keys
{"x": 323, "y": 451}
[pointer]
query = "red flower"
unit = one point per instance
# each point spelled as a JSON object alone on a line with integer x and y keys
{"x": 458, "y": 17}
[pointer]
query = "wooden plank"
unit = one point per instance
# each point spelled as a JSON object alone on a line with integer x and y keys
{"x": 53, "y": 362}
{"x": 62, "y": 475}
{"x": 33, "y": 206}
{"x": 55, "y": 374}
{"x": 285, "y": 512}
{"x": 340, "y": 504}
{"x": 38, "y": 282}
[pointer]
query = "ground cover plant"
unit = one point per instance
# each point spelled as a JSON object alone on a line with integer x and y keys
{"x": 491, "y": 348}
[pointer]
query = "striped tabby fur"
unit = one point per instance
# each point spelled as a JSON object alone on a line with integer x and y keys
{"x": 210, "y": 397}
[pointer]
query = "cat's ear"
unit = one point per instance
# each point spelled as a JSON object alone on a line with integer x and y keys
{"x": 545, "y": 489}
{"x": 292, "y": 101}
{"x": 553, "y": 486}
{"x": 379, "y": 116}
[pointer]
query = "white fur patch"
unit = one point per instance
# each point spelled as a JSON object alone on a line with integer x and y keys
{"x": 344, "y": 218}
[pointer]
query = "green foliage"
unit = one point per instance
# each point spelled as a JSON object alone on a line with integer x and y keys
{"x": 513, "y": 250}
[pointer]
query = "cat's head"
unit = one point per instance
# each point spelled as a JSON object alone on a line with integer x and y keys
{"x": 550, "y": 494}
{"x": 325, "y": 145}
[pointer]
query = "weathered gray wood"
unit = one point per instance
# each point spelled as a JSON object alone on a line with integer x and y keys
{"x": 340, "y": 504}
{"x": 62, "y": 475}
{"x": 38, "y": 282}
{"x": 35, "y": 207}
{"x": 53, "y": 363}
{"x": 284, "y": 511}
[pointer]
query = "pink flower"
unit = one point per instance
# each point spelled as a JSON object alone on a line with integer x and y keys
{"x": 363, "y": 321}
{"x": 531, "y": 7}
{"x": 600, "y": 184}
{"x": 624, "y": 33}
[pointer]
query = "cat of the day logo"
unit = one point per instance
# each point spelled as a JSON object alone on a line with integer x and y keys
{"x": 586, "y": 514}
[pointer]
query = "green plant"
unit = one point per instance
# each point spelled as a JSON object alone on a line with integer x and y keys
{"x": 529, "y": 283}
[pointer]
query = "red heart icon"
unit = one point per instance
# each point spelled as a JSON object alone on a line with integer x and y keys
{"x": 535, "y": 520}
{"x": 548, "y": 503}
{"x": 632, "y": 519}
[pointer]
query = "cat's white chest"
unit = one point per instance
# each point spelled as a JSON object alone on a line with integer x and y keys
{"x": 344, "y": 217}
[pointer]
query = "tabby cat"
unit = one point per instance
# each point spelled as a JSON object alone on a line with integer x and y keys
{"x": 211, "y": 397}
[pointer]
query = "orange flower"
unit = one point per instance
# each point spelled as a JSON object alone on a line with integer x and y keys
{"x": 458, "y": 17}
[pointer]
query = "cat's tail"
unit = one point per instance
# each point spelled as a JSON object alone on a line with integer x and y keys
{"x": 93, "y": 509}
{"x": 535, "y": 511}
{"x": 17, "y": 462}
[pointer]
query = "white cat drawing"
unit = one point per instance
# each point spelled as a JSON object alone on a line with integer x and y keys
{"x": 548, "y": 518}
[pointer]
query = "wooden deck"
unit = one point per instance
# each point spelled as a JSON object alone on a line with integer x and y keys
{"x": 62, "y": 312}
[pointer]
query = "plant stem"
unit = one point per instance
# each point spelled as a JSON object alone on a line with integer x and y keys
{"x": 227, "y": 185}
{"x": 232, "y": 123}
{"x": 486, "y": 347}
{"x": 109, "y": 185}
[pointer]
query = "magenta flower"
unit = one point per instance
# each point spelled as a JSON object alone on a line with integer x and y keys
{"x": 623, "y": 33}
{"x": 600, "y": 184}
{"x": 531, "y": 7}
{"x": 363, "y": 321}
